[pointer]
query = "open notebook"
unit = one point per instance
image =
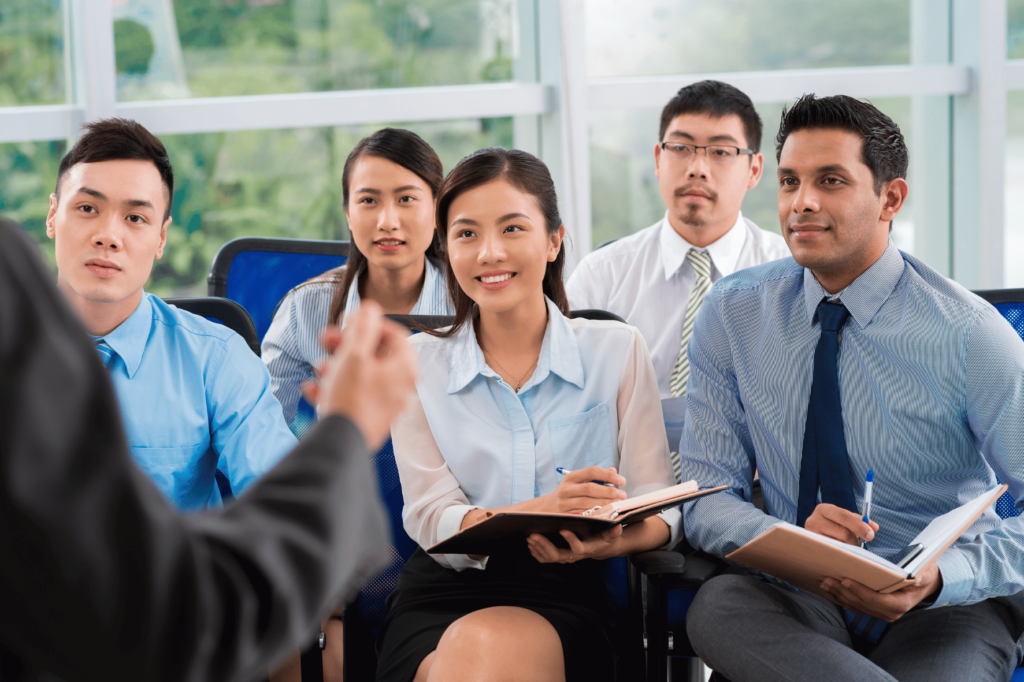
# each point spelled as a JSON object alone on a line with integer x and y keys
{"x": 803, "y": 558}
{"x": 499, "y": 529}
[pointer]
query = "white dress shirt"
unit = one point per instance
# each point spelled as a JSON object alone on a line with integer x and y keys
{"x": 467, "y": 440}
{"x": 646, "y": 279}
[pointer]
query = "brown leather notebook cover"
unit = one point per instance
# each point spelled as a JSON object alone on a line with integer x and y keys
{"x": 500, "y": 529}
{"x": 804, "y": 561}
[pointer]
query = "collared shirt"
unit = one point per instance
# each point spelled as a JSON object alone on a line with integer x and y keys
{"x": 932, "y": 388}
{"x": 468, "y": 440}
{"x": 194, "y": 398}
{"x": 646, "y": 279}
{"x": 291, "y": 347}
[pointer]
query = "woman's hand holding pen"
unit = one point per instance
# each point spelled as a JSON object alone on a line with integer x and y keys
{"x": 581, "y": 490}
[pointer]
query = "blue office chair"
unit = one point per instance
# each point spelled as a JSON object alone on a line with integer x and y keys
{"x": 1010, "y": 304}
{"x": 257, "y": 272}
{"x": 673, "y": 579}
{"x": 365, "y": 616}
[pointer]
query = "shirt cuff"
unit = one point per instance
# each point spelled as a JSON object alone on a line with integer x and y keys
{"x": 957, "y": 578}
{"x": 449, "y": 525}
{"x": 674, "y": 518}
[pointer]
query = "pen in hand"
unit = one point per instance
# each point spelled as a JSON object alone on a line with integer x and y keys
{"x": 566, "y": 472}
{"x": 867, "y": 499}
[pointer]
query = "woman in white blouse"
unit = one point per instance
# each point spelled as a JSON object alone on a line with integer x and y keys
{"x": 389, "y": 184}
{"x": 511, "y": 391}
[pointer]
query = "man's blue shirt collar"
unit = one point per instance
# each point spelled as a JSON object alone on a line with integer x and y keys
{"x": 130, "y": 337}
{"x": 866, "y": 294}
{"x": 559, "y": 354}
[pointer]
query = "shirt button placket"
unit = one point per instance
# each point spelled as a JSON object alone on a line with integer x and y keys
{"x": 523, "y": 458}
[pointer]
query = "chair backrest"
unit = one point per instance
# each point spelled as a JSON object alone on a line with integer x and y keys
{"x": 365, "y": 616}
{"x": 233, "y": 316}
{"x": 257, "y": 272}
{"x": 1010, "y": 304}
{"x": 222, "y": 311}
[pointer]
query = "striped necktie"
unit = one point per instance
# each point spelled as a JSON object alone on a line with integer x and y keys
{"x": 701, "y": 263}
{"x": 106, "y": 352}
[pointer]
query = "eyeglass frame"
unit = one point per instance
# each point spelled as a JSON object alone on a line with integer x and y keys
{"x": 740, "y": 151}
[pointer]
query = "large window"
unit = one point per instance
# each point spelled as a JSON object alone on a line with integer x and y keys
{"x": 664, "y": 37}
{"x": 212, "y": 48}
{"x": 32, "y": 52}
{"x": 259, "y": 102}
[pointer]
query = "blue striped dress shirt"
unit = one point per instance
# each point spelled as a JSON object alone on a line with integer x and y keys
{"x": 932, "y": 387}
{"x": 291, "y": 347}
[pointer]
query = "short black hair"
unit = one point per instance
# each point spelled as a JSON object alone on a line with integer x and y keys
{"x": 113, "y": 139}
{"x": 884, "y": 150}
{"x": 716, "y": 99}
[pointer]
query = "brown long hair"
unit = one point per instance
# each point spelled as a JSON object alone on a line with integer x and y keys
{"x": 529, "y": 175}
{"x": 408, "y": 150}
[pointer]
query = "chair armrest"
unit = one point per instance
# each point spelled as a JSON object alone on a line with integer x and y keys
{"x": 678, "y": 570}
{"x": 659, "y": 562}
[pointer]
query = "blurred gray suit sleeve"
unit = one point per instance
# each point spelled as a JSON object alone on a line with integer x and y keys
{"x": 99, "y": 577}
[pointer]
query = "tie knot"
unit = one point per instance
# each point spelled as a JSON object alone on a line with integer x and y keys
{"x": 106, "y": 352}
{"x": 701, "y": 262}
{"x": 832, "y": 316}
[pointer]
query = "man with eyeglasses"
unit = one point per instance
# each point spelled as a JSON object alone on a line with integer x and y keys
{"x": 656, "y": 279}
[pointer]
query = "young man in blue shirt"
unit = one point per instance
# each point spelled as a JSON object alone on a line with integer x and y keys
{"x": 193, "y": 396}
{"x": 847, "y": 357}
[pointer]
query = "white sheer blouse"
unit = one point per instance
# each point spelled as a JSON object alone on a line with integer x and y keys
{"x": 467, "y": 440}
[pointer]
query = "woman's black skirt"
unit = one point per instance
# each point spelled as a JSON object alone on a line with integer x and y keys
{"x": 429, "y": 597}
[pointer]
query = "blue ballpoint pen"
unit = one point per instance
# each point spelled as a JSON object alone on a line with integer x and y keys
{"x": 867, "y": 498}
{"x": 566, "y": 472}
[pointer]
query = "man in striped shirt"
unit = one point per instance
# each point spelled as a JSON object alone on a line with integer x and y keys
{"x": 854, "y": 356}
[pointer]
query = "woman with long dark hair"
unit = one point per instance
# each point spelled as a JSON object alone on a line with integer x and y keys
{"x": 511, "y": 391}
{"x": 389, "y": 185}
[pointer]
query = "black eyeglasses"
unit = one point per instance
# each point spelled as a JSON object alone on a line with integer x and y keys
{"x": 714, "y": 152}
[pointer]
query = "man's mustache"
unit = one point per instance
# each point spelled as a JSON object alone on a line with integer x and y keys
{"x": 687, "y": 189}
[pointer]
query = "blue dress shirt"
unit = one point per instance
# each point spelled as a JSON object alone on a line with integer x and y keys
{"x": 468, "y": 440}
{"x": 932, "y": 387}
{"x": 194, "y": 398}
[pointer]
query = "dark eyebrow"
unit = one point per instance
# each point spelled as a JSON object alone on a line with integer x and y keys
{"x": 723, "y": 138}
{"x": 95, "y": 193}
{"x": 406, "y": 188}
{"x": 831, "y": 168}
{"x": 679, "y": 133}
{"x": 510, "y": 216}
{"x": 367, "y": 190}
{"x": 467, "y": 221}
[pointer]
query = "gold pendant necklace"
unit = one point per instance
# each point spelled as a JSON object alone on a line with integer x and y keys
{"x": 519, "y": 382}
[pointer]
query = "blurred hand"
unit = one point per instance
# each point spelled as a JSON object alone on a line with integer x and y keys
{"x": 369, "y": 375}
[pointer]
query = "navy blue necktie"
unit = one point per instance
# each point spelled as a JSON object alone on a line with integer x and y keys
{"x": 826, "y": 463}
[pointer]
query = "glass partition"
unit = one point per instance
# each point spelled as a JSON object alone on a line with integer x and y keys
{"x": 1014, "y": 196}
{"x": 32, "y": 56}
{"x": 662, "y": 37}
{"x": 210, "y": 48}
